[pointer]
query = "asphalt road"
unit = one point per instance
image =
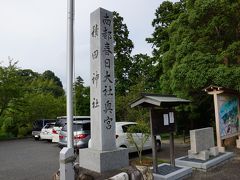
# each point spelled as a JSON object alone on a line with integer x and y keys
{"x": 27, "y": 159}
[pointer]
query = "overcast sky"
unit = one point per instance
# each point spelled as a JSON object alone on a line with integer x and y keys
{"x": 34, "y": 32}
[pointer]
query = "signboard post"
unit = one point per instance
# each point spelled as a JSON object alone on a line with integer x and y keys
{"x": 162, "y": 121}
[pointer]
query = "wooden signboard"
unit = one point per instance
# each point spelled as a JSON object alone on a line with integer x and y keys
{"x": 162, "y": 121}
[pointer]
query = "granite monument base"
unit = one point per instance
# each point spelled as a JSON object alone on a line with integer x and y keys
{"x": 204, "y": 165}
{"x": 102, "y": 161}
{"x": 168, "y": 172}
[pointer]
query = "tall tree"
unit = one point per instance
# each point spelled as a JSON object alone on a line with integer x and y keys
{"x": 203, "y": 40}
{"x": 11, "y": 87}
{"x": 49, "y": 75}
{"x": 165, "y": 14}
{"x": 122, "y": 52}
{"x": 144, "y": 70}
{"x": 82, "y": 97}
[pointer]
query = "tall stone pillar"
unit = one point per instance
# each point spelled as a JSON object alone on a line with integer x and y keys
{"x": 103, "y": 154}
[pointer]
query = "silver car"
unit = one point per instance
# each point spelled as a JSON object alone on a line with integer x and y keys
{"x": 81, "y": 134}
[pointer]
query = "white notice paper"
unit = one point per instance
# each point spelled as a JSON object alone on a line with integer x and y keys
{"x": 171, "y": 116}
{"x": 165, "y": 120}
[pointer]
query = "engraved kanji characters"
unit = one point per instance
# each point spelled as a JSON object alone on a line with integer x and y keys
{"x": 95, "y": 78}
{"x": 106, "y": 20}
{"x": 95, "y": 103}
{"x": 95, "y": 29}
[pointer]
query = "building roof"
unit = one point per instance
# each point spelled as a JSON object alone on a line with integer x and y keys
{"x": 219, "y": 90}
{"x": 158, "y": 100}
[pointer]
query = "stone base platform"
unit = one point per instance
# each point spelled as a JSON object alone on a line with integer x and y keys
{"x": 168, "y": 172}
{"x": 102, "y": 161}
{"x": 204, "y": 165}
{"x": 238, "y": 143}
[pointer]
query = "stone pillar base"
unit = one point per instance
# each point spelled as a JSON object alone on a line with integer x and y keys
{"x": 238, "y": 142}
{"x": 202, "y": 155}
{"x": 66, "y": 164}
{"x": 214, "y": 151}
{"x": 102, "y": 161}
{"x": 221, "y": 149}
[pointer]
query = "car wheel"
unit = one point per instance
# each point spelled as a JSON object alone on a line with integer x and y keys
{"x": 158, "y": 145}
{"x": 36, "y": 138}
{"x": 123, "y": 146}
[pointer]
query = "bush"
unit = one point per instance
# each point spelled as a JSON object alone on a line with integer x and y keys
{"x": 24, "y": 130}
{"x": 4, "y": 135}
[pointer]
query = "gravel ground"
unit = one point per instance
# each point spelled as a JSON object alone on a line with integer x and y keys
{"x": 230, "y": 170}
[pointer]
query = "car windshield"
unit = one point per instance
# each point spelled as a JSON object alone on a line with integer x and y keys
{"x": 47, "y": 126}
{"x": 60, "y": 122}
{"x": 78, "y": 127}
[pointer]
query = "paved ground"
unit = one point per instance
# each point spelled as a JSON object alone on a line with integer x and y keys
{"x": 27, "y": 159}
{"x": 228, "y": 171}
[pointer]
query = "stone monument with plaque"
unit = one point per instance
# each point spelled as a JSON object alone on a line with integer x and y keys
{"x": 202, "y": 144}
{"x": 103, "y": 154}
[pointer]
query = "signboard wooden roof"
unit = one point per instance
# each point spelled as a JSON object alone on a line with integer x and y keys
{"x": 158, "y": 100}
{"x": 219, "y": 90}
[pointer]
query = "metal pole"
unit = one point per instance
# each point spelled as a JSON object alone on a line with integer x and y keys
{"x": 154, "y": 151}
{"x": 70, "y": 51}
{"x": 66, "y": 166}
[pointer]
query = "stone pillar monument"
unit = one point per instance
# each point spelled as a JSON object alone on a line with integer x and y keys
{"x": 103, "y": 154}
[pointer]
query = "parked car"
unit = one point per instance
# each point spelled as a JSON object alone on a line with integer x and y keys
{"x": 38, "y": 125}
{"x": 81, "y": 134}
{"x": 122, "y": 140}
{"x": 61, "y": 121}
{"x": 46, "y": 132}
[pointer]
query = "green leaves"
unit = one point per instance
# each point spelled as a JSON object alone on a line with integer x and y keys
{"x": 196, "y": 43}
{"x": 26, "y": 96}
{"x": 122, "y": 54}
{"x": 81, "y": 98}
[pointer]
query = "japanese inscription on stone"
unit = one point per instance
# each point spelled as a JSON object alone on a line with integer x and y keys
{"x": 102, "y": 75}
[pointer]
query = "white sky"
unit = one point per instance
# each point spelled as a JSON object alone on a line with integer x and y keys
{"x": 34, "y": 32}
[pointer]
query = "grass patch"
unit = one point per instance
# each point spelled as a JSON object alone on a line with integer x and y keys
{"x": 146, "y": 161}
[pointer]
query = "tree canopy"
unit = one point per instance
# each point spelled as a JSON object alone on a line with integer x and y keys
{"x": 196, "y": 43}
{"x": 26, "y": 96}
{"x": 122, "y": 54}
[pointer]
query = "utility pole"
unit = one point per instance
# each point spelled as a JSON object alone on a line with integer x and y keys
{"x": 67, "y": 153}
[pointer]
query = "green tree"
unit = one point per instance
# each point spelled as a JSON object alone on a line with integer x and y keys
{"x": 200, "y": 47}
{"x": 43, "y": 85}
{"x": 144, "y": 70}
{"x": 51, "y": 76}
{"x": 123, "y": 110}
{"x": 142, "y": 132}
{"x": 11, "y": 88}
{"x": 82, "y": 97}
{"x": 26, "y": 96}
{"x": 122, "y": 53}
{"x": 42, "y": 106}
